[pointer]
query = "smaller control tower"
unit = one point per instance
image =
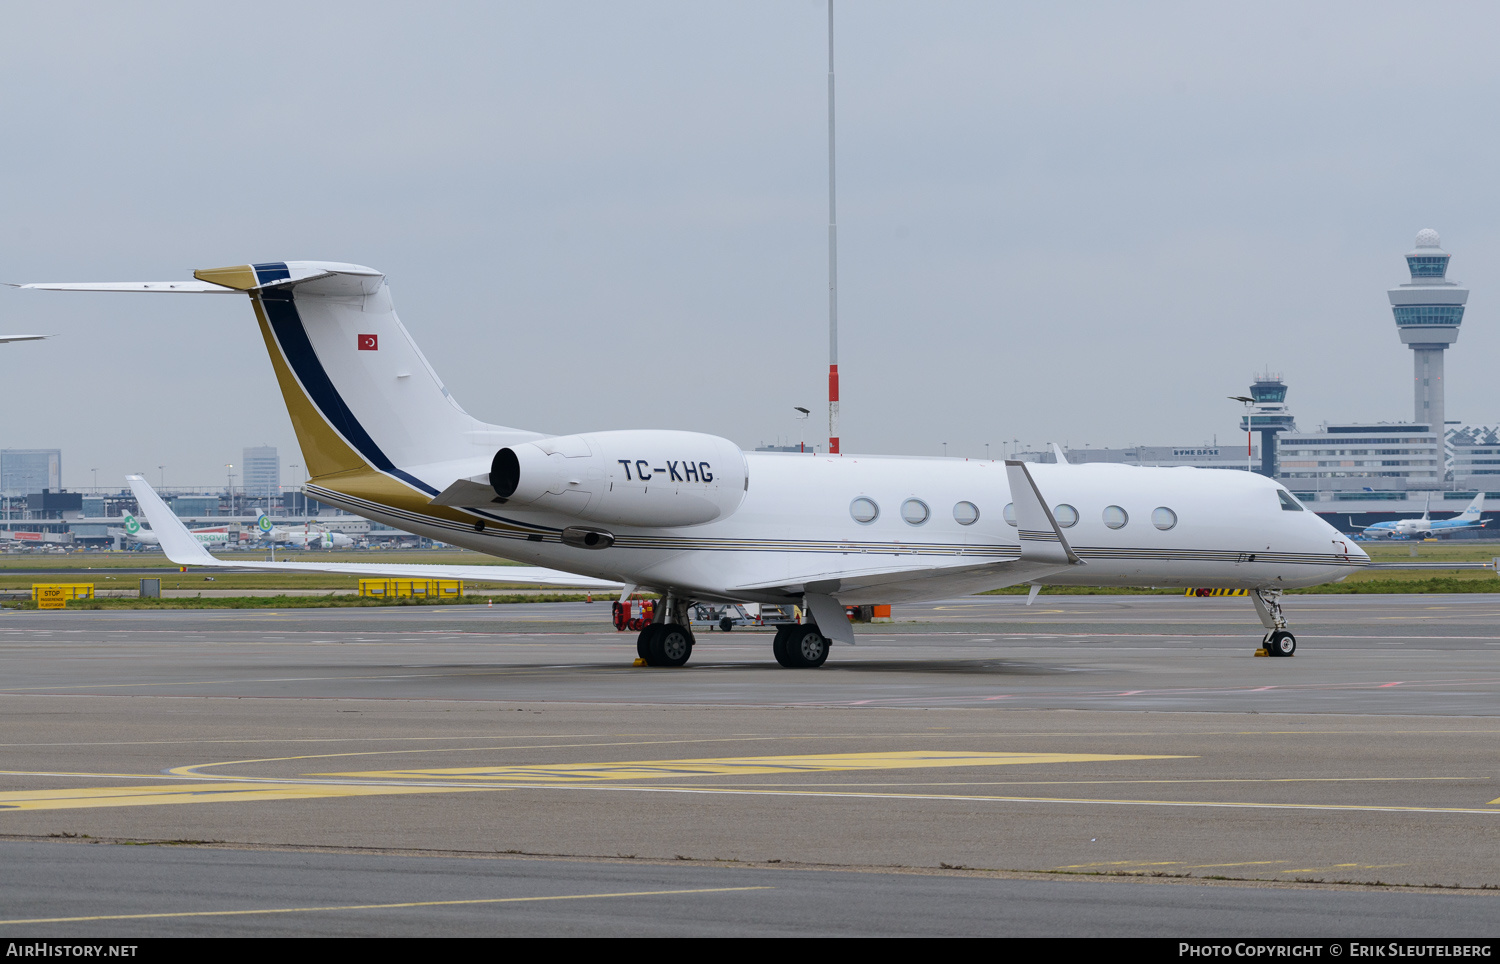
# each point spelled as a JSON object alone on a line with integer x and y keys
{"x": 1268, "y": 416}
{"x": 1428, "y": 312}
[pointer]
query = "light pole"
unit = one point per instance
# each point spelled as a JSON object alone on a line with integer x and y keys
{"x": 294, "y": 496}
{"x": 1249, "y": 403}
{"x": 945, "y": 450}
{"x": 163, "y": 470}
{"x": 229, "y": 473}
{"x": 802, "y": 428}
{"x": 96, "y": 480}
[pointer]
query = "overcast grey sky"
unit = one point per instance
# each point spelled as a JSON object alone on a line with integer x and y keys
{"x": 1076, "y": 222}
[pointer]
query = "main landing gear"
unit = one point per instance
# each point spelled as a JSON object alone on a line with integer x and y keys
{"x": 1279, "y": 640}
{"x": 669, "y": 642}
{"x": 800, "y": 647}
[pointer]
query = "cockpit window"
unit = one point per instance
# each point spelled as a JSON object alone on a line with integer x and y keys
{"x": 1288, "y": 504}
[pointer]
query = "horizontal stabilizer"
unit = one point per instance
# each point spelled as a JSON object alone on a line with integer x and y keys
{"x": 180, "y": 546}
{"x": 345, "y": 279}
{"x": 151, "y": 287}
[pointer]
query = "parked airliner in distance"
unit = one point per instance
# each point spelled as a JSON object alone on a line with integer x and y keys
{"x": 693, "y": 517}
{"x": 1418, "y": 528}
{"x": 132, "y": 531}
{"x": 310, "y": 537}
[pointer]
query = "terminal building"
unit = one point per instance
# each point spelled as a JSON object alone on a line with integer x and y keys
{"x": 262, "y": 472}
{"x": 24, "y": 471}
{"x": 1359, "y": 462}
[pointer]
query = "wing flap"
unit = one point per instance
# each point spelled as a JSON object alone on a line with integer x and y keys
{"x": 903, "y": 579}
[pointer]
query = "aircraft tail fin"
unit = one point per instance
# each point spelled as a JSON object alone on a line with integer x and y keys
{"x": 368, "y": 409}
{"x": 1472, "y": 513}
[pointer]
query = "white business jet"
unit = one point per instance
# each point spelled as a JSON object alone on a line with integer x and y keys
{"x": 694, "y": 518}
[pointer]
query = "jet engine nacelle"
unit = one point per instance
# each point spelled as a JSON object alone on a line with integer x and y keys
{"x": 632, "y": 478}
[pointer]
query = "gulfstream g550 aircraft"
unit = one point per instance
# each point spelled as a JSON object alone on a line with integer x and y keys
{"x": 693, "y": 517}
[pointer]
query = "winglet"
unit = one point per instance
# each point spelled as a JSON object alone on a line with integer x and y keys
{"x": 1041, "y": 537}
{"x": 1057, "y": 452}
{"x": 175, "y": 539}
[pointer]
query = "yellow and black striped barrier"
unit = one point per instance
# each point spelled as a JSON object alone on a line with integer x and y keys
{"x": 1217, "y": 592}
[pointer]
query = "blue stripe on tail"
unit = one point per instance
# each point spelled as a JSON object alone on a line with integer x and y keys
{"x": 286, "y": 323}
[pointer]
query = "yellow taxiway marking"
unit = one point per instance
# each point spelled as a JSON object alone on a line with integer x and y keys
{"x": 414, "y": 903}
{"x": 1314, "y": 870}
{"x": 569, "y": 773}
{"x": 1166, "y": 863}
{"x": 198, "y": 793}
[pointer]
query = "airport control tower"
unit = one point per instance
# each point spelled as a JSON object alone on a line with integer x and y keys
{"x": 1268, "y": 416}
{"x": 1428, "y": 312}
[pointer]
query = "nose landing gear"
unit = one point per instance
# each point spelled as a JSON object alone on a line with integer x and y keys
{"x": 1279, "y": 640}
{"x": 1280, "y": 643}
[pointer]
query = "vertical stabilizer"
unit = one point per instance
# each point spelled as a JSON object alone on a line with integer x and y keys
{"x": 371, "y": 415}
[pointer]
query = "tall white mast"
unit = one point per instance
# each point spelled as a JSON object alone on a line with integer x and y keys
{"x": 833, "y": 265}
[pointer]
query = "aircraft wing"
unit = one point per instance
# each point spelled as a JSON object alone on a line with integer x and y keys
{"x": 914, "y": 579}
{"x": 9, "y": 338}
{"x": 182, "y": 548}
{"x": 1044, "y": 552}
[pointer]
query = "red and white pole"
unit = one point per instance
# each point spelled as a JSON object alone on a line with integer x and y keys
{"x": 833, "y": 265}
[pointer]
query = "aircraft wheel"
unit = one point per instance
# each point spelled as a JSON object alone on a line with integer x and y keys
{"x": 1281, "y": 643}
{"x": 781, "y": 646}
{"x": 808, "y": 647}
{"x": 643, "y": 642}
{"x": 670, "y": 645}
{"x": 800, "y": 647}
